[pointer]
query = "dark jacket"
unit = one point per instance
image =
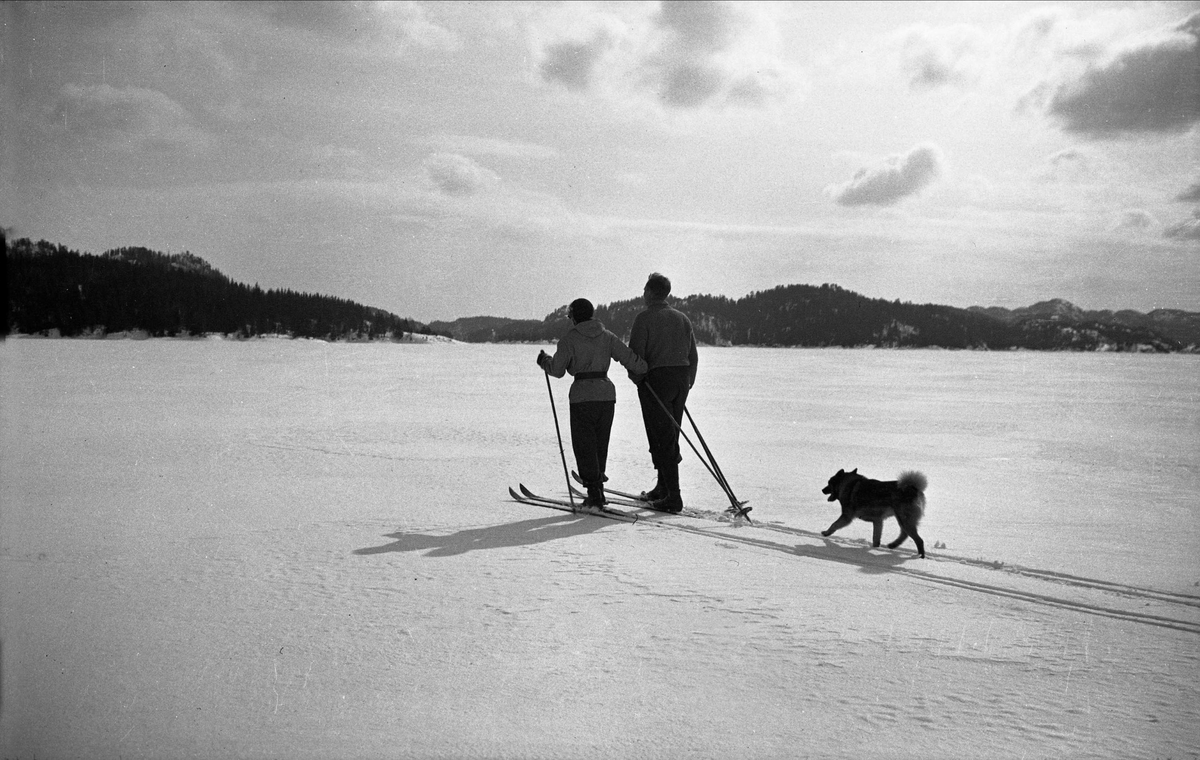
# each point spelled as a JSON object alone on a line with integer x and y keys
{"x": 588, "y": 347}
{"x": 663, "y": 336}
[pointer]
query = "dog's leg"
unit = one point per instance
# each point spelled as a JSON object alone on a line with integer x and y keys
{"x": 877, "y": 533}
{"x": 838, "y": 524}
{"x": 920, "y": 543}
{"x": 905, "y": 532}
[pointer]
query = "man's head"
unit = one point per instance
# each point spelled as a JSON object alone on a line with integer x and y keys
{"x": 658, "y": 287}
{"x": 581, "y": 310}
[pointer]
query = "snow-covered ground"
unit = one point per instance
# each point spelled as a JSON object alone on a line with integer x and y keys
{"x": 293, "y": 549}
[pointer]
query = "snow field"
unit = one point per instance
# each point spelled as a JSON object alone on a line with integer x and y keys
{"x": 293, "y": 549}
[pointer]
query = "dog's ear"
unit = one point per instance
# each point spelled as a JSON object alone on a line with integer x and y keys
{"x": 840, "y": 473}
{"x": 854, "y": 471}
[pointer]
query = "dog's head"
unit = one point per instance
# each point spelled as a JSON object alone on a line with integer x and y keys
{"x": 835, "y": 483}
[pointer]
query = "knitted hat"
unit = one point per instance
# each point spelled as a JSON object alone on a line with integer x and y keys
{"x": 581, "y": 310}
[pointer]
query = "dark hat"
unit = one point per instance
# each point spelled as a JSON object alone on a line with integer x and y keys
{"x": 581, "y": 310}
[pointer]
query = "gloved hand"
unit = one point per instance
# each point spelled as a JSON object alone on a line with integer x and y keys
{"x": 542, "y": 359}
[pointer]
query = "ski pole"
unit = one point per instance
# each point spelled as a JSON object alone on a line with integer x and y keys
{"x": 558, "y": 432}
{"x": 716, "y": 467}
{"x": 738, "y": 507}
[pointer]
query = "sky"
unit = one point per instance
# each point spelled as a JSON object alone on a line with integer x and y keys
{"x": 443, "y": 160}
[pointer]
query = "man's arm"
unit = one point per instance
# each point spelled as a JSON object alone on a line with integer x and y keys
{"x": 639, "y": 335}
{"x": 638, "y": 338}
{"x": 693, "y": 356}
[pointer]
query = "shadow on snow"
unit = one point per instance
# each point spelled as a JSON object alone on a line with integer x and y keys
{"x": 523, "y": 533}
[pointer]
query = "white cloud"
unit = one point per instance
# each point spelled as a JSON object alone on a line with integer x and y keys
{"x": 126, "y": 118}
{"x": 1150, "y": 84}
{"x": 409, "y": 23}
{"x": 1135, "y": 219}
{"x": 1066, "y": 165}
{"x": 891, "y": 179}
{"x": 487, "y": 146}
{"x": 403, "y": 24}
{"x": 572, "y": 63}
{"x": 1186, "y": 230}
{"x": 457, "y": 175}
{"x": 935, "y": 56}
{"x": 1088, "y": 72}
{"x": 683, "y": 56}
{"x": 1191, "y": 194}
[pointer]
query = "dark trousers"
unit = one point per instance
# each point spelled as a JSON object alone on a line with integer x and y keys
{"x": 591, "y": 426}
{"x": 670, "y": 384}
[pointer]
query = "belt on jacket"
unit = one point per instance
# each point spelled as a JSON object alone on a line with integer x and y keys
{"x": 590, "y": 375}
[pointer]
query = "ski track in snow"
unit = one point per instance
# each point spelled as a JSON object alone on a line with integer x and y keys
{"x": 885, "y": 559}
{"x": 1170, "y": 610}
{"x": 1162, "y": 602}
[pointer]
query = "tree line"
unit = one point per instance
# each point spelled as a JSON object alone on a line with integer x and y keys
{"x": 54, "y": 289}
{"x": 831, "y": 316}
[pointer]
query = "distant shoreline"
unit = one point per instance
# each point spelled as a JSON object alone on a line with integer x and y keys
{"x": 424, "y": 339}
{"x": 141, "y": 335}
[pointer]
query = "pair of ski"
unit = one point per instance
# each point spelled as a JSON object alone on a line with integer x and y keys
{"x": 529, "y": 497}
{"x": 734, "y": 513}
{"x": 614, "y": 497}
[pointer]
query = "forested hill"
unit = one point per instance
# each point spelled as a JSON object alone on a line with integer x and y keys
{"x": 806, "y": 315}
{"x": 54, "y": 290}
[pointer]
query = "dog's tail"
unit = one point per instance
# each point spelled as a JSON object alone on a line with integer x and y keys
{"x": 914, "y": 480}
{"x": 913, "y": 484}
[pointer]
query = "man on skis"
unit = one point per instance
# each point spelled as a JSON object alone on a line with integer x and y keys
{"x": 664, "y": 338}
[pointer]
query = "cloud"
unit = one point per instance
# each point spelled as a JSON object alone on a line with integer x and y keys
{"x": 1135, "y": 219}
{"x": 571, "y": 64}
{"x": 1151, "y": 85}
{"x": 126, "y": 118}
{"x": 688, "y": 85}
{"x": 700, "y": 28}
{"x": 388, "y": 23}
{"x": 1191, "y": 194}
{"x": 891, "y": 179}
{"x": 1066, "y": 165}
{"x": 714, "y": 54}
{"x": 1186, "y": 230}
{"x": 681, "y": 56}
{"x": 1068, "y": 156}
{"x": 1033, "y": 29}
{"x": 487, "y": 146}
{"x": 457, "y": 175}
{"x": 936, "y": 56}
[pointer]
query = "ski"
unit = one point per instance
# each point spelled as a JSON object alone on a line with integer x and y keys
{"x": 605, "y": 511}
{"x": 639, "y": 501}
{"x": 624, "y": 501}
{"x": 529, "y": 497}
{"x": 651, "y": 513}
{"x": 613, "y": 499}
{"x": 631, "y": 500}
{"x": 539, "y": 502}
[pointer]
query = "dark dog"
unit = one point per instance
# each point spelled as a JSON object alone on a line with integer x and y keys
{"x": 877, "y": 500}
